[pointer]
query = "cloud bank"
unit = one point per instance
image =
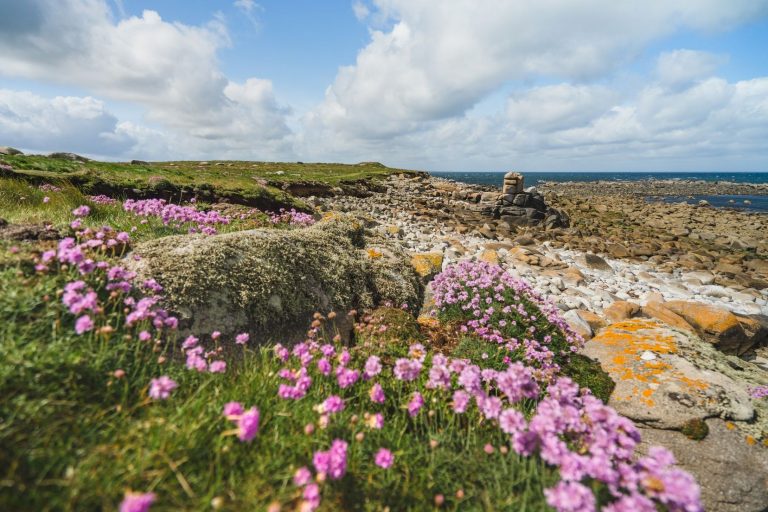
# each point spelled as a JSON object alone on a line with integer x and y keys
{"x": 460, "y": 84}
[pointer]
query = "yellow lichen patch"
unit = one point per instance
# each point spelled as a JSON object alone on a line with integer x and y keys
{"x": 751, "y": 441}
{"x": 374, "y": 254}
{"x": 729, "y": 425}
{"x": 489, "y": 256}
{"x": 427, "y": 263}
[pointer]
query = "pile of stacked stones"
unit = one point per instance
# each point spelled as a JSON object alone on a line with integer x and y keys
{"x": 517, "y": 206}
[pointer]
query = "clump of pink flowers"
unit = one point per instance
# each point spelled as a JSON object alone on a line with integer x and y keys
{"x": 246, "y": 421}
{"x": 332, "y": 462}
{"x": 506, "y": 312}
{"x": 102, "y": 199}
{"x": 292, "y": 217}
{"x": 759, "y": 392}
{"x": 176, "y": 215}
{"x": 161, "y": 387}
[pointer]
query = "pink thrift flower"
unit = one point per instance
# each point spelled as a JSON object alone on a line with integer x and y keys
{"x": 332, "y": 404}
{"x": 217, "y": 367}
{"x": 161, "y": 387}
{"x": 83, "y": 324}
{"x": 415, "y": 405}
{"x": 372, "y": 367}
{"x": 332, "y": 462}
{"x": 460, "y": 401}
{"x": 81, "y": 211}
{"x": 145, "y": 336}
{"x": 311, "y": 497}
{"x": 302, "y": 476}
{"x": 377, "y": 394}
{"x": 384, "y": 458}
{"x": 190, "y": 342}
{"x": 248, "y": 425}
{"x": 232, "y": 410}
{"x": 570, "y": 497}
{"x": 137, "y": 502}
{"x": 242, "y": 338}
{"x": 215, "y": 335}
{"x": 46, "y": 199}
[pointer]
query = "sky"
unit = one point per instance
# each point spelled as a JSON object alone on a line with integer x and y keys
{"x": 439, "y": 85}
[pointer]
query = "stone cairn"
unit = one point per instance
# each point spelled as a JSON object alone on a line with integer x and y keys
{"x": 517, "y": 206}
{"x": 513, "y": 183}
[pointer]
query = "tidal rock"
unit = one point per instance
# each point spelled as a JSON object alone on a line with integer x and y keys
{"x": 660, "y": 312}
{"x": 578, "y": 324}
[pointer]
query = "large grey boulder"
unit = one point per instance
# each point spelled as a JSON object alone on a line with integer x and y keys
{"x": 7, "y": 150}
{"x": 269, "y": 282}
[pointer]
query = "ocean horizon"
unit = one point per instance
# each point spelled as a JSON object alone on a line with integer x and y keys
{"x": 755, "y": 203}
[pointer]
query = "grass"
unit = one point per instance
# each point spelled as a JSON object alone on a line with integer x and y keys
{"x": 73, "y": 437}
{"x": 257, "y": 184}
{"x": 23, "y": 203}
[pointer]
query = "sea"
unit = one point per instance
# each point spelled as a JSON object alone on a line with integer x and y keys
{"x": 755, "y": 203}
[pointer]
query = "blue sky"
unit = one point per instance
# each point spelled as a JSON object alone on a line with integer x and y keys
{"x": 438, "y": 85}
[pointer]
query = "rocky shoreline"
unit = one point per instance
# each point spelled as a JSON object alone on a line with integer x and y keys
{"x": 657, "y": 187}
{"x": 674, "y": 298}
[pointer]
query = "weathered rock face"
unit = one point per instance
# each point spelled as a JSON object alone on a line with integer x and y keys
{"x": 7, "y": 150}
{"x": 732, "y": 473}
{"x": 716, "y": 325}
{"x": 269, "y": 282}
{"x": 657, "y": 382}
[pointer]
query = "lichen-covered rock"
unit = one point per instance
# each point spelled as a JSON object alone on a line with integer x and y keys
{"x": 269, "y": 282}
{"x": 716, "y": 325}
{"x": 621, "y": 310}
{"x": 665, "y": 378}
{"x": 660, "y": 312}
{"x": 427, "y": 264}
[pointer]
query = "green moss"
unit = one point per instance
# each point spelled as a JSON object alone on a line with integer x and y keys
{"x": 268, "y": 282}
{"x": 589, "y": 374}
{"x": 695, "y": 429}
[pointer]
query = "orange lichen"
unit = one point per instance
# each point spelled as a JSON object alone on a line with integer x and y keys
{"x": 751, "y": 441}
{"x": 632, "y": 338}
{"x": 729, "y": 425}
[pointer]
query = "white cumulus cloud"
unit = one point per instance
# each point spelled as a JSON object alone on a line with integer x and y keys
{"x": 167, "y": 68}
{"x": 63, "y": 123}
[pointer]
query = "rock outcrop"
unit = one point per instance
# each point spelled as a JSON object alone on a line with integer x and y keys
{"x": 658, "y": 384}
{"x": 269, "y": 282}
